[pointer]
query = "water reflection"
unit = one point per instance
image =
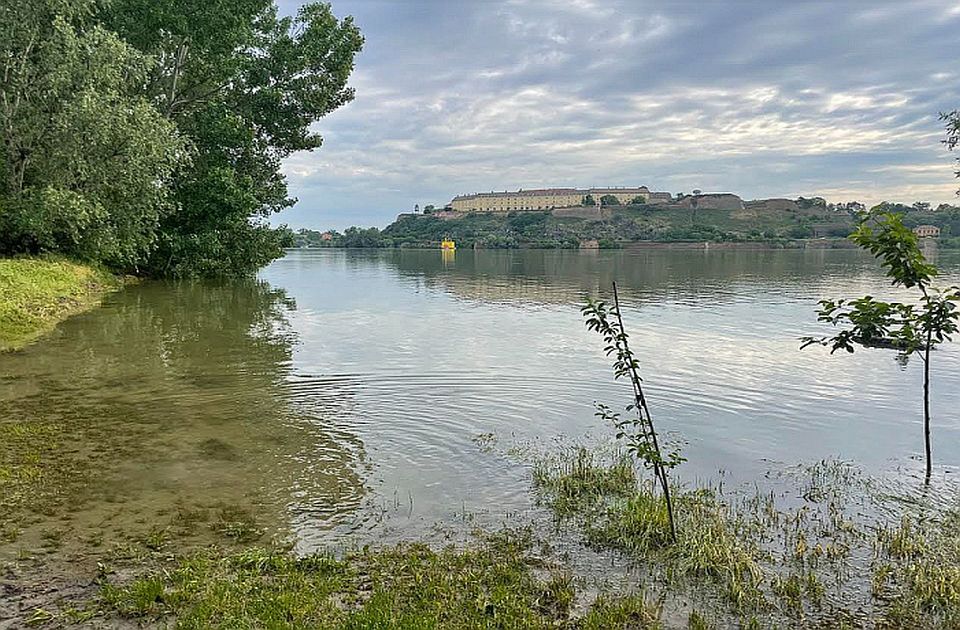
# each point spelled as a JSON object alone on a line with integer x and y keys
{"x": 703, "y": 277}
{"x": 173, "y": 398}
{"x": 353, "y": 397}
{"x": 438, "y": 351}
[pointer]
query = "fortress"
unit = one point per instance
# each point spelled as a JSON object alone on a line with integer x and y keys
{"x": 550, "y": 198}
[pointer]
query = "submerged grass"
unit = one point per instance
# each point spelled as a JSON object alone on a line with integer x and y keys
{"x": 35, "y": 294}
{"x": 26, "y": 470}
{"x": 917, "y": 572}
{"x": 763, "y": 566}
{"x": 46, "y": 466}
{"x": 583, "y": 481}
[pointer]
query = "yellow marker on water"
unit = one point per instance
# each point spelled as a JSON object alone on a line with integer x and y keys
{"x": 448, "y": 244}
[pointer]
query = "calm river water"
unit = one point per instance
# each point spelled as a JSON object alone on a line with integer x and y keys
{"x": 370, "y": 394}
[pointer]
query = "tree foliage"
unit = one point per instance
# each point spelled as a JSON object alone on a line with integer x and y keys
{"x": 149, "y": 135}
{"x": 87, "y": 161}
{"x": 244, "y": 85}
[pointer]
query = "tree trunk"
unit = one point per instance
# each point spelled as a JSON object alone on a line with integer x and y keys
{"x": 926, "y": 407}
{"x": 650, "y": 431}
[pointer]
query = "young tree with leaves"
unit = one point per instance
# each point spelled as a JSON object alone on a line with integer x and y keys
{"x": 910, "y": 328}
{"x": 638, "y": 430}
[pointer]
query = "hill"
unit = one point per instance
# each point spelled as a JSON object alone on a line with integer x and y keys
{"x": 774, "y": 221}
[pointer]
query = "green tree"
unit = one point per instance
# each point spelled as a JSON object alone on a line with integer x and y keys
{"x": 912, "y": 329}
{"x": 589, "y": 201}
{"x": 86, "y": 160}
{"x": 639, "y": 200}
{"x": 362, "y": 237}
{"x": 609, "y": 200}
{"x": 244, "y": 85}
{"x": 694, "y": 205}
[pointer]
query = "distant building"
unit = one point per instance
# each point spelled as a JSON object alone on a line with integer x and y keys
{"x": 623, "y": 195}
{"x": 326, "y": 236}
{"x": 659, "y": 197}
{"x": 927, "y": 231}
{"x": 548, "y": 198}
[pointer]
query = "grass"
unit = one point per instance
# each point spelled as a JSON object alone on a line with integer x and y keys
{"x": 740, "y": 561}
{"x": 917, "y": 572}
{"x": 583, "y": 481}
{"x": 821, "y": 564}
{"x": 36, "y": 294}
{"x": 42, "y": 469}
{"x": 496, "y": 582}
{"x": 27, "y": 475}
{"x": 631, "y": 611}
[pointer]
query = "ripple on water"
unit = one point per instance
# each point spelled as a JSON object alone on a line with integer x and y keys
{"x": 349, "y": 391}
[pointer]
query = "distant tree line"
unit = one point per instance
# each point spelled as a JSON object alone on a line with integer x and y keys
{"x": 631, "y": 223}
{"x": 148, "y": 135}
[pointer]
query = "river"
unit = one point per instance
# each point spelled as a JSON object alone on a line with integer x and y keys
{"x": 367, "y": 395}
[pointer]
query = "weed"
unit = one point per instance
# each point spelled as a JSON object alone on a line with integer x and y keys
{"x": 631, "y": 611}
{"x": 580, "y": 480}
{"x": 696, "y": 621}
{"x": 156, "y": 539}
{"x": 237, "y": 523}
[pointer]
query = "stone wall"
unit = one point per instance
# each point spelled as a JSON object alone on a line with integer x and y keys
{"x": 712, "y": 201}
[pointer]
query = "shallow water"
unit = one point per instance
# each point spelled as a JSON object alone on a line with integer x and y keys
{"x": 370, "y": 394}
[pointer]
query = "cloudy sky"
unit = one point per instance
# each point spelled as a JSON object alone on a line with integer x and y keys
{"x": 760, "y": 98}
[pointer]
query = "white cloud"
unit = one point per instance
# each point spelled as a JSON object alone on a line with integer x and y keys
{"x": 759, "y": 98}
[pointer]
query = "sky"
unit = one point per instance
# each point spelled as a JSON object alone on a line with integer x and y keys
{"x": 763, "y": 99}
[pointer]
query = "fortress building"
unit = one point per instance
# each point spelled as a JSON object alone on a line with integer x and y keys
{"x": 549, "y": 198}
{"x": 927, "y": 231}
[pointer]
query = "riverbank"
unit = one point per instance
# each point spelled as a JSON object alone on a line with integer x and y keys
{"x": 36, "y": 294}
{"x": 823, "y": 546}
{"x": 818, "y": 244}
{"x": 504, "y": 579}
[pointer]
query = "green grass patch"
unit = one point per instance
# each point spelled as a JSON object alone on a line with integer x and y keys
{"x": 631, "y": 611}
{"x": 918, "y": 572}
{"x": 580, "y": 480}
{"x": 36, "y": 294}
{"x": 497, "y": 582}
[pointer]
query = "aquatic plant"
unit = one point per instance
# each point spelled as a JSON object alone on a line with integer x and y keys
{"x": 838, "y": 557}
{"x": 911, "y": 329}
{"x": 638, "y": 429}
{"x": 572, "y": 484}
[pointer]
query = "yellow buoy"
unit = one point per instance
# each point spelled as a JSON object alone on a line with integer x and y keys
{"x": 448, "y": 244}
